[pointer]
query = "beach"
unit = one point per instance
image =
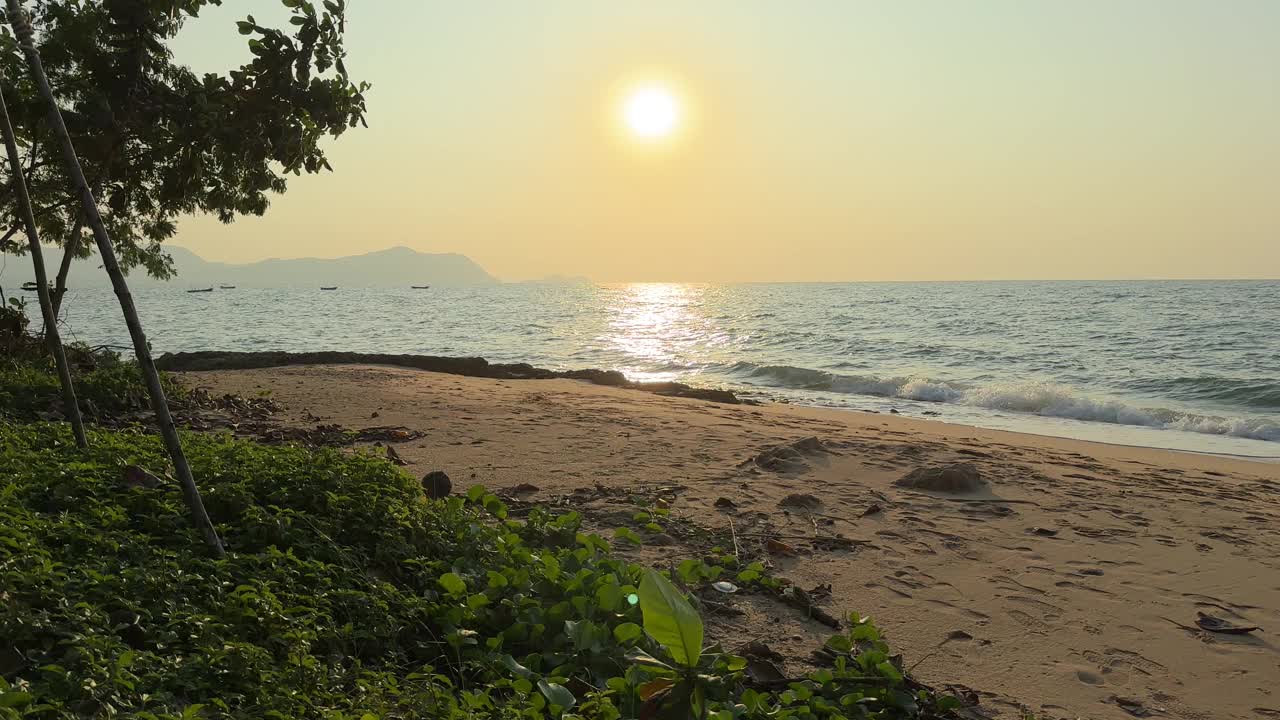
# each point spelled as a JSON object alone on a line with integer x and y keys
{"x": 1066, "y": 583}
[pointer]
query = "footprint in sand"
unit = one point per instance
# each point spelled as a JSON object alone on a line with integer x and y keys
{"x": 1090, "y": 678}
{"x": 1047, "y": 611}
{"x": 896, "y": 591}
{"x": 980, "y": 618}
{"x": 1028, "y": 622}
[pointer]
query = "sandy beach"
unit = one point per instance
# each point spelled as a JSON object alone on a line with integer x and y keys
{"x": 1066, "y": 585}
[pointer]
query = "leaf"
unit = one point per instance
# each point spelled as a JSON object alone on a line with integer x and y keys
{"x": 608, "y": 596}
{"x": 15, "y": 699}
{"x": 557, "y": 694}
{"x": 689, "y": 571}
{"x": 865, "y": 632}
{"x": 627, "y": 534}
{"x": 949, "y": 702}
{"x": 552, "y": 567}
{"x": 515, "y": 667}
{"x": 670, "y": 619}
{"x": 640, "y": 657}
{"x": 452, "y": 583}
{"x": 627, "y": 632}
{"x": 654, "y": 687}
{"x": 887, "y": 670}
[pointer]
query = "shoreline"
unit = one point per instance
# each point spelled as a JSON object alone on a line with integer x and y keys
{"x": 1087, "y": 550}
{"x": 465, "y": 366}
{"x": 480, "y": 367}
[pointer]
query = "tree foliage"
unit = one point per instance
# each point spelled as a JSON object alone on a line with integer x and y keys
{"x": 159, "y": 141}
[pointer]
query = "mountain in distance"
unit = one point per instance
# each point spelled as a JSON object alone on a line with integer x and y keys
{"x": 395, "y": 267}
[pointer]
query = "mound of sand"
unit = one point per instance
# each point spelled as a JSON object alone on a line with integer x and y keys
{"x": 956, "y": 478}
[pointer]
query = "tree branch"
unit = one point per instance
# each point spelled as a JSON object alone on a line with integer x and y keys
{"x": 64, "y": 269}
{"x": 4, "y": 241}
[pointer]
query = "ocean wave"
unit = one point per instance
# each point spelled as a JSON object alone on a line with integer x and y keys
{"x": 1036, "y": 398}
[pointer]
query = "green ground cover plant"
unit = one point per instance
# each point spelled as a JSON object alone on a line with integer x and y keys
{"x": 346, "y": 593}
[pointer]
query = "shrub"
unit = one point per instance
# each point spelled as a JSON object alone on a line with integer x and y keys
{"x": 345, "y": 594}
{"x": 29, "y": 387}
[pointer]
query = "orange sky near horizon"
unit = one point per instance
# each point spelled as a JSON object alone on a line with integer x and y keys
{"x": 831, "y": 140}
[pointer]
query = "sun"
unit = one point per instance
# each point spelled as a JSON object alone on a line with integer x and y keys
{"x": 651, "y": 112}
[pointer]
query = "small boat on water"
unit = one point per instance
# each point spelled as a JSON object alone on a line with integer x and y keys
{"x": 226, "y": 287}
{"x": 335, "y": 287}
{"x": 420, "y": 287}
{"x": 208, "y": 289}
{"x": 30, "y": 286}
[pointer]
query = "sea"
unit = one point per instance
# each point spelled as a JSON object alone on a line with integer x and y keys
{"x": 1186, "y": 365}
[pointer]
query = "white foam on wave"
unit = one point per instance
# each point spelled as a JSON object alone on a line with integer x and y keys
{"x": 1058, "y": 401}
{"x": 1037, "y": 398}
{"x": 1061, "y": 401}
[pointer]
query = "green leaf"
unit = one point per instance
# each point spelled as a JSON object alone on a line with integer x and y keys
{"x": 949, "y": 702}
{"x": 690, "y": 571}
{"x": 557, "y": 694}
{"x": 552, "y": 567}
{"x": 887, "y": 670}
{"x": 497, "y": 580}
{"x": 670, "y": 619}
{"x": 839, "y": 644}
{"x": 865, "y": 632}
{"x": 627, "y": 632}
{"x": 627, "y": 534}
{"x": 515, "y": 667}
{"x": 453, "y": 583}
{"x": 608, "y": 596}
{"x": 640, "y": 657}
{"x": 15, "y": 699}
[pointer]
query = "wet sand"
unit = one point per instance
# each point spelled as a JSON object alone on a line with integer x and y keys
{"x": 1066, "y": 585}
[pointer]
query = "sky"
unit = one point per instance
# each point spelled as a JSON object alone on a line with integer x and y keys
{"x": 818, "y": 140}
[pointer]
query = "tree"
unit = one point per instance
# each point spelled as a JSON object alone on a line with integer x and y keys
{"x": 156, "y": 140}
{"x": 168, "y": 143}
{"x": 51, "y": 336}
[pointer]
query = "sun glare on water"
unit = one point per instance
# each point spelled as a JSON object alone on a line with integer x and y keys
{"x": 651, "y": 113}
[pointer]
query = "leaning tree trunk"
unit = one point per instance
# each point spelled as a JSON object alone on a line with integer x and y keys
{"x": 72, "y": 408}
{"x": 22, "y": 29}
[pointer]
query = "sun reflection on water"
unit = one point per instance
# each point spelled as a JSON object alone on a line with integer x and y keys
{"x": 661, "y": 328}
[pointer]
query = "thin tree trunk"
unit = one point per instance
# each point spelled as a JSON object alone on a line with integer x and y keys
{"x": 22, "y": 29}
{"x": 68, "y": 254}
{"x": 72, "y": 408}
